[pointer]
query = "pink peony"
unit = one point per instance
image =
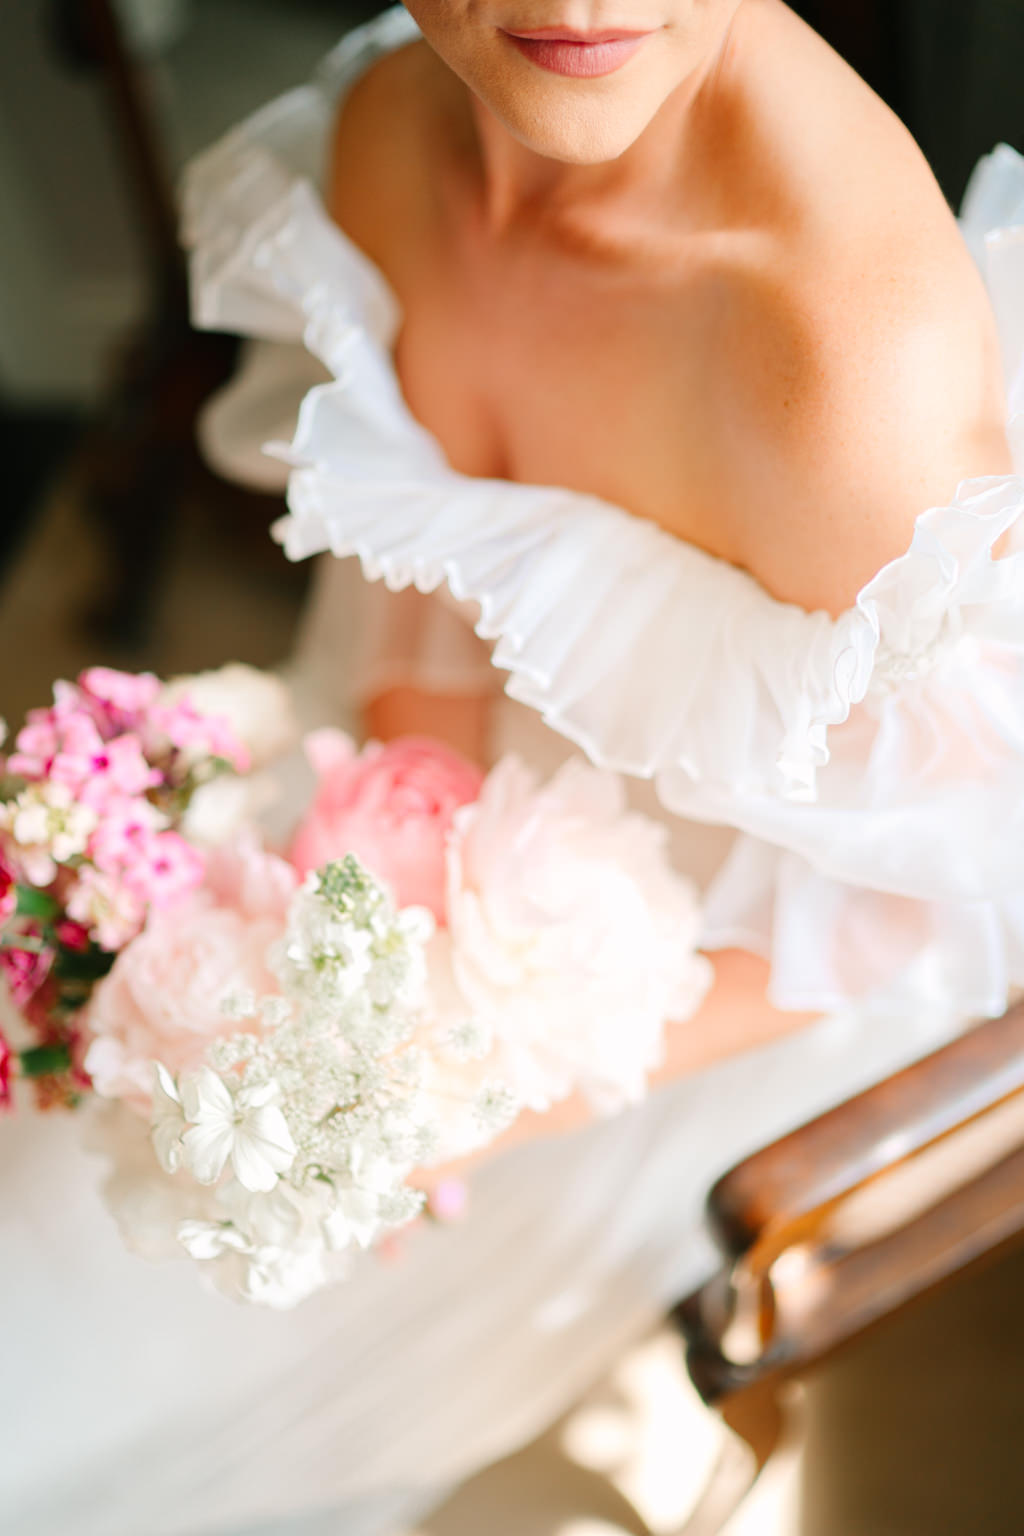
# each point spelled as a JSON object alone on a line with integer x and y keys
{"x": 392, "y": 806}
{"x": 570, "y": 938}
{"x": 163, "y": 999}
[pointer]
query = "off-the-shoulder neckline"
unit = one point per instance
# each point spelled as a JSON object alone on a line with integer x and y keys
{"x": 400, "y": 30}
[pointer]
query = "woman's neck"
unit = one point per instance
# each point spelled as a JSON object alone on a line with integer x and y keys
{"x": 516, "y": 183}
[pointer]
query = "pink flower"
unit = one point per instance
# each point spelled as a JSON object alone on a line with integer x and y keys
{"x": 72, "y": 936}
{"x": 245, "y": 877}
{"x": 99, "y": 771}
{"x": 131, "y": 846}
{"x": 122, "y": 697}
{"x": 163, "y": 999}
{"x": 37, "y": 743}
{"x": 5, "y": 1073}
{"x": 120, "y": 839}
{"x": 8, "y": 890}
{"x": 25, "y": 970}
{"x": 392, "y": 806}
{"x": 198, "y": 735}
{"x": 168, "y": 868}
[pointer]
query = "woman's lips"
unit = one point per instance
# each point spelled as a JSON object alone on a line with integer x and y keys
{"x": 583, "y": 55}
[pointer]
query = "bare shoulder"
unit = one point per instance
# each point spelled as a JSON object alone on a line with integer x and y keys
{"x": 861, "y": 364}
{"x": 379, "y": 140}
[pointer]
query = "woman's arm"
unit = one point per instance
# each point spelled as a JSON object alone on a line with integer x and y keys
{"x": 735, "y": 1016}
{"x": 462, "y": 721}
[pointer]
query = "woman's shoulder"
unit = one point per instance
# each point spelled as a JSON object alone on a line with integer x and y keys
{"x": 382, "y": 144}
{"x": 861, "y": 360}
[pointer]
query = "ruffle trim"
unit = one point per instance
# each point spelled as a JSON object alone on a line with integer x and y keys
{"x": 830, "y": 944}
{"x": 651, "y": 655}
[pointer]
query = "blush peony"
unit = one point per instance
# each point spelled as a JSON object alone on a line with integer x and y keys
{"x": 392, "y": 806}
{"x": 571, "y": 940}
{"x": 164, "y": 997}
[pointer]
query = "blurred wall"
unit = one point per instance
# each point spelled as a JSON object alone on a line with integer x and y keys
{"x": 70, "y": 274}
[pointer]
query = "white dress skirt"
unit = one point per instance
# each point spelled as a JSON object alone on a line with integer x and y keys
{"x": 847, "y": 792}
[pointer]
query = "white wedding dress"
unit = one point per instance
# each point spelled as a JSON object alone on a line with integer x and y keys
{"x": 848, "y": 792}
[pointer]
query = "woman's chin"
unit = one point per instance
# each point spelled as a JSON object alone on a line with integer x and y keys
{"x": 574, "y": 131}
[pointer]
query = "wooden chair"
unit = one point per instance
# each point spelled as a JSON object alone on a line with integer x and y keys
{"x": 861, "y": 1214}
{"x": 138, "y": 462}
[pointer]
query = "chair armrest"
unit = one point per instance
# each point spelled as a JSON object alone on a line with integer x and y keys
{"x": 880, "y": 1199}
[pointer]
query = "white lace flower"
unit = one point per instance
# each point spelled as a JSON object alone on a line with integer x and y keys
{"x": 247, "y": 1127}
{"x": 167, "y": 1119}
{"x": 358, "y": 1216}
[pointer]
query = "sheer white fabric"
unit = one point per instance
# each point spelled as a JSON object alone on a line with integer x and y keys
{"x": 867, "y": 765}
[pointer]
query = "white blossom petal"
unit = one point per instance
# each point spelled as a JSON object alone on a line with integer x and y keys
{"x": 207, "y": 1148}
{"x": 167, "y": 1119}
{"x": 204, "y": 1094}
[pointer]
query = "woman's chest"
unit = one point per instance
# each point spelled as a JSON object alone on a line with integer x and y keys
{"x": 544, "y": 374}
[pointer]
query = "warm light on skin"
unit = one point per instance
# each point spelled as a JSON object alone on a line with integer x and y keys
{"x": 579, "y": 121}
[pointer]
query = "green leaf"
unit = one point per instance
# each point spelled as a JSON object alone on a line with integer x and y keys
{"x": 33, "y": 903}
{"x": 88, "y": 965}
{"x": 45, "y": 1060}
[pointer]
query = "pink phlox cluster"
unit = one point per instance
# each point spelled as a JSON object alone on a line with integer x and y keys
{"x": 134, "y": 864}
{"x": 109, "y": 743}
{"x": 77, "y": 745}
{"x": 100, "y": 772}
{"x": 118, "y": 701}
{"x": 195, "y": 736}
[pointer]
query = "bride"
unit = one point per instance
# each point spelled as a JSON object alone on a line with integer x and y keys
{"x": 641, "y": 339}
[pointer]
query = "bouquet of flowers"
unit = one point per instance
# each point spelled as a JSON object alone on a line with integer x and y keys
{"x": 277, "y": 1038}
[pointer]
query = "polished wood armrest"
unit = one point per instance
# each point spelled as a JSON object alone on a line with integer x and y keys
{"x": 851, "y": 1216}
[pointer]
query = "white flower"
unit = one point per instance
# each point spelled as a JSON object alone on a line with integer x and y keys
{"x": 247, "y": 1127}
{"x": 570, "y": 935}
{"x": 167, "y": 1120}
{"x": 206, "y": 1240}
{"x": 49, "y": 826}
{"x": 274, "y": 1218}
{"x": 282, "y": 1277}
{"x": 357, "y": 1213}
{"x": 256, "y": 704}
{"x": 219, "y": 811}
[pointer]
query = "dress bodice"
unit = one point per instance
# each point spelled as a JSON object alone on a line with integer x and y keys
{"x": 881, "y": 751}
